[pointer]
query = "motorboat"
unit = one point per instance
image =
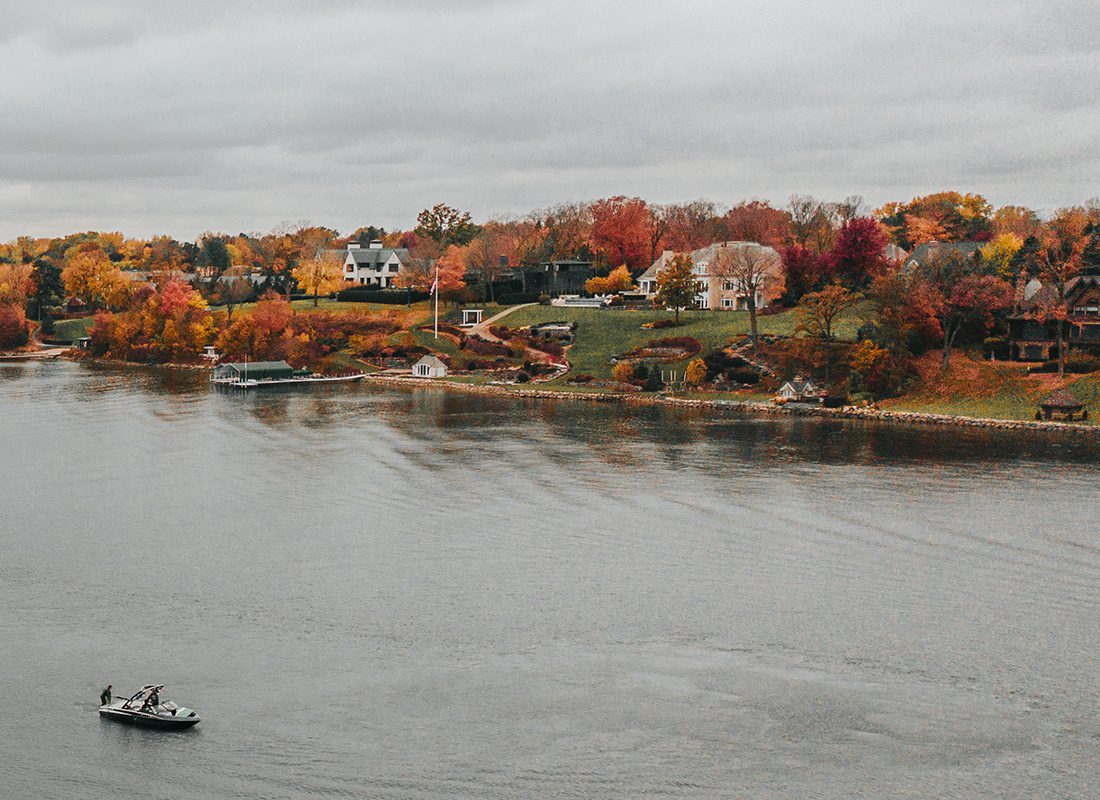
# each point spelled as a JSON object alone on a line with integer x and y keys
{"x": 145, "y": 708}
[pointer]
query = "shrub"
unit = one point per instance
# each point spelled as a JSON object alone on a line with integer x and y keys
{"x": 484, "y": 347}
{"x": 547, "y": 346}
{"x": 522, "y": 377}
{"x": 696, "y": 372}
{"x": 13, "y": 326}
{"x": 653, "y": 382}
{"x": 686, "y": 343}
{"x": 623, "y": 372}
{"x": 658, "y": 324}
{"x": 584, "y": 377}
{"x": 517, "y": 298}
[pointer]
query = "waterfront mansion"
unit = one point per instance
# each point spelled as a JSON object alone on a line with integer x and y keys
{"x": 374, "y": 265}
{"x": 721, "y": 291}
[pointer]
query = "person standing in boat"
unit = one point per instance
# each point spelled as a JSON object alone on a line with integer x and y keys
{"x": 105, "y": 696}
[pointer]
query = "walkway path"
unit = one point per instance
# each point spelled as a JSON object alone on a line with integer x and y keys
{"x": 482, "y": 328}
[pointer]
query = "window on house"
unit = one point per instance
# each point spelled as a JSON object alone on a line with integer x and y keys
{"x": 728, "y": 302}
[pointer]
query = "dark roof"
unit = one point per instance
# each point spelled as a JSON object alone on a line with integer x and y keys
{"x": 260, "y": 369}
{"x": 800, "y": 387}
{"x": 923, "y": 253}
{"x": 371, "y": 256}
{"x": 1060, "y": 398}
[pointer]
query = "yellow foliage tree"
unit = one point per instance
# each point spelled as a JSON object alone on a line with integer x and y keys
{"x": 623, "y": 372}
{"x": 16, "y": 282}
{"x": 696, "y": 372}
{"x": 322, "y": 274}
{"x": 999, "y": 252}
{"x": 618, "y": 280}
{"x": 90, "y": 275}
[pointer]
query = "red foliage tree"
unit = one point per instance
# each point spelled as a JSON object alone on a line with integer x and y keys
{"x": 858, "y": 255}
{"x": 756, "y": 221}
{"x": 13, "y": 325}
{"x": 622, "y": 232}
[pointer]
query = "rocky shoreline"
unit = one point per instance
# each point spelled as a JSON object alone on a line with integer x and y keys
{"x": 746, "y": 407}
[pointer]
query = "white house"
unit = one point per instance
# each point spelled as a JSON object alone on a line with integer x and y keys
{"x": 429, "y": 367}
{"x": 798, "y": 390}
{"x": 374, "y": 265}
{"x": 714, "y": 291}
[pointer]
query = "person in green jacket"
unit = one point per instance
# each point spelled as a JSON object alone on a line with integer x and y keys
{"x": 105, "y": 696}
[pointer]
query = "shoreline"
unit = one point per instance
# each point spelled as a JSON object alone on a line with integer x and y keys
{"x": 744, "y": 407}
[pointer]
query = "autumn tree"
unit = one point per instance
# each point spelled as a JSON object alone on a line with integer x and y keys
{"x": 965, "y": 292}
{"x": 817, "y": 314}
{"x": 999, "y": 252}
{"x": 1062, "y": 243}
{"x": 622, "y": 232}
{"x": 696, "y": 372}
{"x": 445, "y": 226}
{"x": 756, "y": 221}
{"x": 811, "y": 223}
{"x": 617, "y": 280}
{"x": 676, "y": 287}
{"x": 858, "y": 254}
{"x": 684, "y": 227}
{"x": 321, "y": 274}
{"x": 233, "y": 289}
{"x": 903, "y": 313}
{"x": 490, "y": 255}
{"x": 942, "y": 216}
{"x": 90, "y": 275}
{"x": 753, "y": 271}
{"x": 13, "y": 325}
{"x": 16, "y": 283}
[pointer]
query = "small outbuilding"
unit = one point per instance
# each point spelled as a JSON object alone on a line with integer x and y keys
{"x": 1061, "y": 405}
{"x": 798, "y": 390}
{"x": 252, "y": 371}
{"x": 429, "y": 367}
{"x": 471, "y": 317}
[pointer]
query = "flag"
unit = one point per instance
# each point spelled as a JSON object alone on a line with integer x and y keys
{"x": 435, "y": 286}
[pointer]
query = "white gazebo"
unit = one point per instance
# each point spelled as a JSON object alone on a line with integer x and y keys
{"x": 429, "y": 367}
{"x": 471, "y": 317}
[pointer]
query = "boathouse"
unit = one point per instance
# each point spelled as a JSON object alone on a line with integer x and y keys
{"x": 429, "y": 367}
{"x": 1061, "y": 405}
{"x": 253, "y": 371}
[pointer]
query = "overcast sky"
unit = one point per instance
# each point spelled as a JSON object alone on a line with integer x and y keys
{"x": 179, "y": 117}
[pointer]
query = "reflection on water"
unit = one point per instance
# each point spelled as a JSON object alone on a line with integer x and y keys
{"x": 373, "y": 592}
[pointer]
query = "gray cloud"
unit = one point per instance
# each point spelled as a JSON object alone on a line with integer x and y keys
{"x": 180, "y": 117}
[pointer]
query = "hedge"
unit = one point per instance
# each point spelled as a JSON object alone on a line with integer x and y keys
{"x": 362, "y": 294}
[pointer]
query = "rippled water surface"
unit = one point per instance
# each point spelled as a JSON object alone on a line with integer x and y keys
{"x": 372, "y": 593}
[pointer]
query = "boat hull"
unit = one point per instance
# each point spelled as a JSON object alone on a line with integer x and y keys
{"x": 144, "y": 719}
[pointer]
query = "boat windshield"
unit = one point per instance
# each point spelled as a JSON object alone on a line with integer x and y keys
{"x": 138, "y": 698}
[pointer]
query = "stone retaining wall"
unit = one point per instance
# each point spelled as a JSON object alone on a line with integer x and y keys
{"x": 748, "y": 408}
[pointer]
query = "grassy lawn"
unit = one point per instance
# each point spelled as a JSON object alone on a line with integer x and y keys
{"x": 69, "y": 330}
{"x": 993, "y": 391}
{"x": 602, "y": 334}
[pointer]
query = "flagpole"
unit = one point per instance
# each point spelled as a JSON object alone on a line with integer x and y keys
{"x": 436, "y": 287}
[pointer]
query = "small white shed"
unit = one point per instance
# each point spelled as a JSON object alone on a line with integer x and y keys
{"x": 471, "y": 317}
{"x": 429, "y": 367}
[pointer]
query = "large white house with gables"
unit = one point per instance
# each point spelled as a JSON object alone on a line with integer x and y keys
{"x": 716, "y": 291}
{"x": 374, "y": 265}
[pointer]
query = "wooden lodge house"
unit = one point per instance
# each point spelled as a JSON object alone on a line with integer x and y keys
{"x": 1033, "y": 330}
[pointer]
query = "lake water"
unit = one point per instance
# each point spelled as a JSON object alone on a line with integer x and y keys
{"x": 419, "y": 594}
